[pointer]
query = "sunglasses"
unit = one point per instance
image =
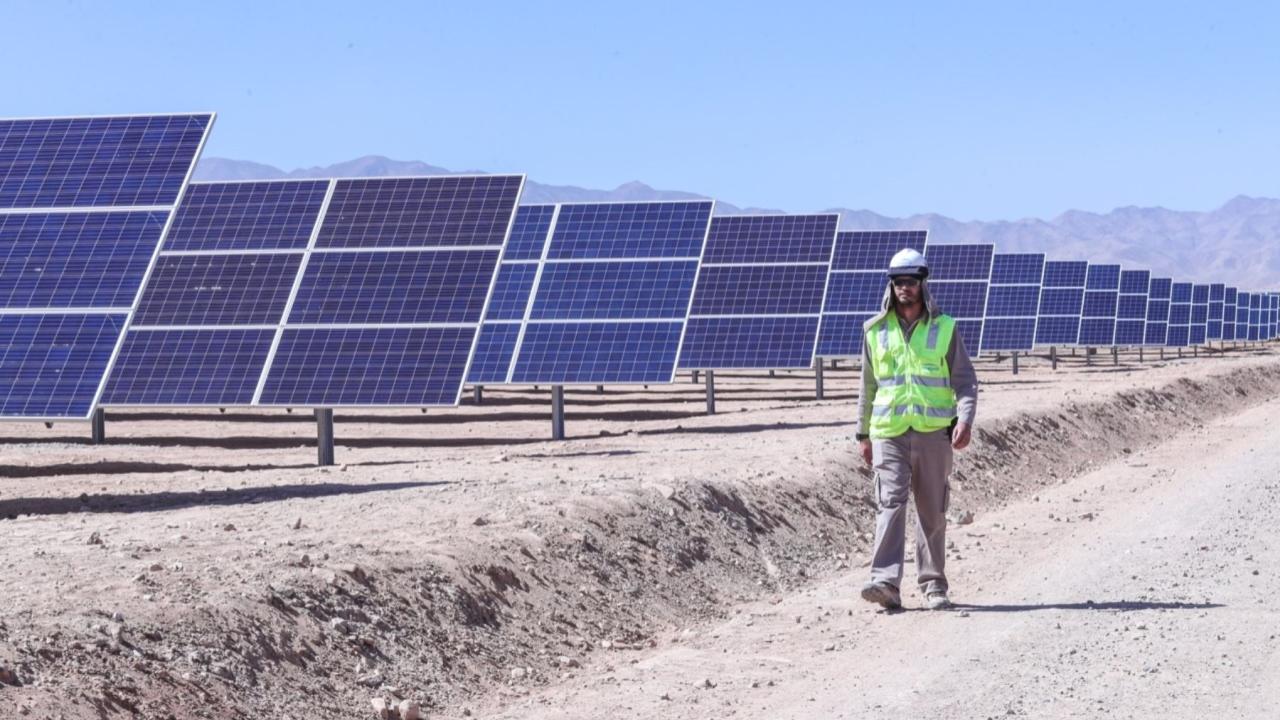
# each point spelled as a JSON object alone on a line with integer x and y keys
{"x": 906, "y": 282}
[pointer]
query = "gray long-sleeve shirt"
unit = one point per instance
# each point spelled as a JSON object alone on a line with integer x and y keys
{"x": 964, "y": 381}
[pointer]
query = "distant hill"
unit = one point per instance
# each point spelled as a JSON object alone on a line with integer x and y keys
{"x": 1238, "y": 243}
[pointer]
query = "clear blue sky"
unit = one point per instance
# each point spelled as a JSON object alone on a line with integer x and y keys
{"x": 974, "y": 110}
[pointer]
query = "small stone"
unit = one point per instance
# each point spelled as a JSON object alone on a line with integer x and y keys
{"x": 829, "y": 647}
{"x": 380, "y": 708}
{"x": 963, "y": 613}
{"x": 156, "y": 567}
{"x": 117, "y": 616}
{"x": 566, "y": 661}
{"x": 706, "y": 683}
{"x": 353, "y": 570}
{"x": 964, "y": 517}
{"x": 371, "y": 680}
{"x": 339, "y": 624}
{"x": 518, "y": 674}
{"x": 297, "y": 524}
{"x": 480, "y": 522}
{"x": 664, "y": 696}
{"x": 409, "y": 710}
{"x": 95, "y": 538}
{"x": 229, "y": 527}
{"x": 8, "y": 677}
{"x": 606, "y": 644}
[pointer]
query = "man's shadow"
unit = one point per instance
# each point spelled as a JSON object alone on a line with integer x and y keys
{"x": 1108, "y": 605}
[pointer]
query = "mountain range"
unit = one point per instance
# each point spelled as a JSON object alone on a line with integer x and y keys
{"x": 1237, "y": 243}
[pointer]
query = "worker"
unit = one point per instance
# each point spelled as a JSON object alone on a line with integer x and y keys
{"x": 919, "y": 396}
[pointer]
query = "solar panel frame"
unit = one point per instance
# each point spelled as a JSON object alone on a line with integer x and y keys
{"x": 1131, "y": 307}
{"x": 1160, "y": 291}
{"x": 1199, "y": 314}
{"x": 1025, "y": 280}
{"x": 856, "y": 265}
{"x": 1178, "y": 334}
{"x": 975, "y": 281}
{"x": 746, "y": 327}
{"x": 1229, "y": 314}
{"x": 226, "y": 245}
{"x": 572, "y": 252}
{"x": 1101, "y": 301}
{"x": 157, "y": 202}
{"x": 1061, "y": 302}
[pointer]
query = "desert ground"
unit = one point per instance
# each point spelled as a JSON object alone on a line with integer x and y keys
{"x": 1114, "y": 552}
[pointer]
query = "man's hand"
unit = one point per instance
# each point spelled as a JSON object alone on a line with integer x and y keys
{"x": 865, "y": 445}
{"x": 961, "y": 435}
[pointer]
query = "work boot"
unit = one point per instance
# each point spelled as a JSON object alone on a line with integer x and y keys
{"x": 883, "y": 594}
{"x": 937, "y": 600}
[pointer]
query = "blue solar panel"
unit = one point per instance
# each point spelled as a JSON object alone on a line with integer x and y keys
{"x": 98, "y": 162}
{"x": 1199, "y": 333}
{"x": 599, "y": 231}
{"x": 1098, "y": 316}
{"x": 217, "y": 290}
{"x": 1013, "y": 302}
{"x": 1161, "y": 289}
{"x": 189, "y": 367}
{"x": 1178, "y": 333}
{"x": 511, "y": 291}
{"x": 275, "y": 215}
{"x": 1017, "y": 269}
{"x": 856, "y": 285}
{"x": 616, "y": 281}
{"x": 529, "y": 232}
{"x": 572, "y": 352}
{"x": 420, "y": 212}
{"x": 51, "y": 365}
{"x": 614, "y": 291}
{"x": 394, "y": 287}
{"x": 1131, "y": 307}
{"x": 958, "y": 279}
{"x": 749, "y": 342}
{"x": 326, "y": 367}
{"x": 771, "y": 239}
{"x": 1229, "y": 313}
{"x": 231, "y": 260}
{"x": 761, "y": 292}
{"x": 76, "y": 260}
{"x": 421, "y": 255}
{"x": 78, "y": 274}
{"x": 1061, "y": 301}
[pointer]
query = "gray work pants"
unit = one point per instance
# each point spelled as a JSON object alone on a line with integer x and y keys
{"x": 920, "y": 463}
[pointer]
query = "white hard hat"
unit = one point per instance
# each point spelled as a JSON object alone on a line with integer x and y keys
{"x": 909, "y": 262}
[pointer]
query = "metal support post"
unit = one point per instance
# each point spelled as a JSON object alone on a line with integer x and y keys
{"x": 324, "y": 436}
{"x": 1088, "y": 355}
{"x": 557, "y": 412}
{"x": 1139, "y": 353}
{"x": 1053, "y": 356}
{"x": 1115, "y": 355}
{"x": 99, "y": 426}
{"x": 600, "y": 388}
{"x": 834, "y": 364}
{"x": 695, "y": 377}
{"x": 711, "y": 392}
{"x": 479, "y": 391}
{"x": 817, "y": 379}
{"x": 1015, "y": 362}
{"x": 771, "y": 373}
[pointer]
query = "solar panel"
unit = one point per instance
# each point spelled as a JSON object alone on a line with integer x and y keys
{"x": 604, "y": 298}
{"x": 1131, "y": 307}
{"x": 1013, "y": 301}
{"x": 959, "y": 276}
{"x": 761, "y": 292}
{"x": 1199, "y": 314}
{"x": 1255, "y": 316}
{"x": 1229, "y": 314}
{"x": 211, "y": 308}
{"x": 1275, "y": 316}
{"x": 1158, "y": 311}
{"x": 1061, "y": 301}
{"x": 1217, "y": 293}
{"x": 856, "y": 285}
{"x": 1101, "y": 300}
{"x": 1179, "y": 332}
{"x": 1242, "y": 315}
{"x": 84, "y": 204}
{"x": 329, "y": 293}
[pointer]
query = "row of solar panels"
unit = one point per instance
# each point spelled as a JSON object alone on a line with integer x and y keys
{"x": 123, "y": 284}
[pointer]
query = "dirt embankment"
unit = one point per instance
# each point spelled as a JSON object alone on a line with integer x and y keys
{"x": 324, "y": 633}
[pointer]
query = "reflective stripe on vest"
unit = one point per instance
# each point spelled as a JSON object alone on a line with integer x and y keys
{"x": 913, "y": 381}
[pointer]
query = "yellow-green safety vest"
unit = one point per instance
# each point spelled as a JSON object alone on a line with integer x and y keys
{"x": 913, "y": 381}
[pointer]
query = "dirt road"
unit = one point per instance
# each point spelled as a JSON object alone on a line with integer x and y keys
{"x": 1148, "y": 588}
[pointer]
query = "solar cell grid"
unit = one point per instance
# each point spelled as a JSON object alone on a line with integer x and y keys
{"x": 1013, "y": 301}
{"x": 1101, "y": 298}
{"x": 761, "y": 292}
{"x": 1131, "y": 308}
{"x": 1061, "y": 300}
{"x": 608, "y": 303}
{"x": 1178, "y": 332}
